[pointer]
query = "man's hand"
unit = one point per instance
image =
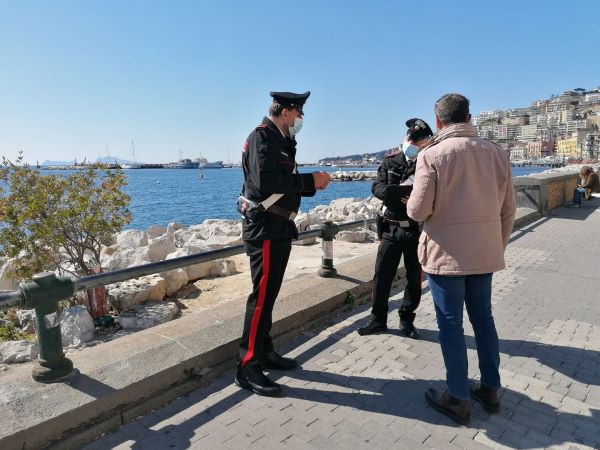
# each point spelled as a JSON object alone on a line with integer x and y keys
{"x": 322, "y": 179}
{"x": 404, "y": 200}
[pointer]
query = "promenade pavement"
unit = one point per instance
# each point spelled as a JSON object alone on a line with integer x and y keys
{"x": 368, "y": 392}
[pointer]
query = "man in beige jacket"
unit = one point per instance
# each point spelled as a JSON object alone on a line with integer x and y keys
{"x": 463, "y": 193}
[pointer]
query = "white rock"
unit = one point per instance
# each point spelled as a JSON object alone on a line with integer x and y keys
{"x": 307, "y": 241}
{"x": 223, "y": 268}
{"x": 196, "y": 271}
{"x": 132, "y": 292}
{"x": 126, "y": 258}
{"x": 181, "y": 237}
{"x": 196, "y": 245}
{"x": 159, "y": 248}
{"x": 174, "y": 280}
{"x": 76, "y": 326}
{"x": 173, "y": 227}
{"x": 149, "y": 315}
{"x": 132, "y": 239}
{"x": 109, "y": 250}
{"x": 155, "y": 231}
{"x": 26, "y": 320}
{"x": 12, "y": 352}
{"x": 8, "y": 280}
{"x": 358, "y": 235}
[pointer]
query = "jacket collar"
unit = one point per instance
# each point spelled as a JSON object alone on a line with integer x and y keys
{"x": 277, "y": 132}
{"x": 454, "y": 130}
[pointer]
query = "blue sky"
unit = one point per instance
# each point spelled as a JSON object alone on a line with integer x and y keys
{"x": 78, "y": 76}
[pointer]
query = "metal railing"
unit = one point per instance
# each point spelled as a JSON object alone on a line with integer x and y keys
{"x": 46, "y": 290}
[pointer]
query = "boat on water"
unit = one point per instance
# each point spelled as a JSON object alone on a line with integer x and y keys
{"x": 183, "y": 163}
{"x": 203, "y": 163}
{"x": 133, "y": 164}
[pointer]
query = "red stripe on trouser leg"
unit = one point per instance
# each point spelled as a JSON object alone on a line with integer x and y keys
{"x": 262, "y": 291}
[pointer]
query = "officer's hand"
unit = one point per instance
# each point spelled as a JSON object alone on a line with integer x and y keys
{"x": 322, "y": 179}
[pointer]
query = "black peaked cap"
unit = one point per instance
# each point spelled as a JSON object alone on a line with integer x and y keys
{"x": 290, "y": 99}
{"x": 418, "y": 129}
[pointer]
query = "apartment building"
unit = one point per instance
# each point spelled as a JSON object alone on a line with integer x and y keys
{"x": 570, "y": 126}
{"x": 571, "y": 147}
{"x": 506, "y": 132}
{"x": 529, "y": 132}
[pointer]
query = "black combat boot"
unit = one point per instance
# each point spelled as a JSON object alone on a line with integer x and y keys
{"x": 375, "y": 325}
{"x": 407, "y": 327}
{"x": 250, "y": 377}
{"x": 274, "y": 361}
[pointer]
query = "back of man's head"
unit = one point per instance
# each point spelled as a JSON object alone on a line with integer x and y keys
{"x": 452, "y": 108}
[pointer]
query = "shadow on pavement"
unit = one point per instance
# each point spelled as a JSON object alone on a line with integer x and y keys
{"x": 576, "y": 363}
{"x": 521, "y": 419}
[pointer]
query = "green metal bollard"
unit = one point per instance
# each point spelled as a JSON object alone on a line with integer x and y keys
{"x": 328, "y": 232}
{"x": 43, "y": 294}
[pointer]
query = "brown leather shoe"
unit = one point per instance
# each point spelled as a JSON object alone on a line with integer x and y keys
{"x": 487, "y": 397}
{"x": 457, "y": 410}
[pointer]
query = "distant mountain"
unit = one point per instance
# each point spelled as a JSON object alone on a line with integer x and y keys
{"x": 113, "y": 160}
{"x": 377, "y": 155}
{"x": 102, "y": 159}
{"x": 57, "y": 163}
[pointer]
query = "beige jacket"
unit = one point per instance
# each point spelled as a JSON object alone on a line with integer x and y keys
{"x": 463, "y": 192}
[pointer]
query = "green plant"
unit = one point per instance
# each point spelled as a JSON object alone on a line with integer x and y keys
{"x": 55, "y": 221}
{"x": 12, "y": 333}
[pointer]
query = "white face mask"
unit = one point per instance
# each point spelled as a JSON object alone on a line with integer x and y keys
{"x": 410, "y": 151}
{"x": 294, "y": 130}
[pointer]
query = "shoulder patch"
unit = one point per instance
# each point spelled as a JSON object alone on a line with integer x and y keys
{"x": 261, "y": 126}
{"x": 391, "y": 155}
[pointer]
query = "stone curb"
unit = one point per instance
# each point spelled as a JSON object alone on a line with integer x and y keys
{"x": 118, "y": 381}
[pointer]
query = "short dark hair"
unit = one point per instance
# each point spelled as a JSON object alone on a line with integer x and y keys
{"x": 452, "y": 108}
{"x": 276, "y": 109}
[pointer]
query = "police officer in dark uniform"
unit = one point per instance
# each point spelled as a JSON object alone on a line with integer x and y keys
{"x": 398, "y": 233}
{"x": 269, "y": 201}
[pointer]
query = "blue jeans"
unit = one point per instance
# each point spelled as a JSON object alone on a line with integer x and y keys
{"x": 450, "y": 293}
{"x": 577, "y": 195}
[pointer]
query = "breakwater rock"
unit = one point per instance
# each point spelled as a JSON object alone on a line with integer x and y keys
{"x": 149, "y": 300}
{"x": 354, "y": 175}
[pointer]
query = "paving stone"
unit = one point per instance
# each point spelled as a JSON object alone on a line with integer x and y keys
{"x": 367, "y": 391}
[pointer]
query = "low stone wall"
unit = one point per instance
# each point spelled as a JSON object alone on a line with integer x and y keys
{"x": 545, "y": 191}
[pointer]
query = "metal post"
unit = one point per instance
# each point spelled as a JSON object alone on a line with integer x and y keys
{"x": 328, "y": 232}
{"x": 43, "y": 294}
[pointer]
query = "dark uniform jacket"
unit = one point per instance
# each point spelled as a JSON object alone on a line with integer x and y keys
{"x": 268, "y": 160}
{"x": 394, "y": 170}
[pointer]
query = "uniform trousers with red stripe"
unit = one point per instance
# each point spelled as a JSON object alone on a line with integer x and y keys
{"x": 268, "y": 260}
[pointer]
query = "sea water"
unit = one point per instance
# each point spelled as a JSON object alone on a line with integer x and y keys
{"x": 190, "y": 196}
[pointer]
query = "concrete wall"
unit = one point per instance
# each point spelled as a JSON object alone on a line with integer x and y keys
{"x": 545, "y": 191}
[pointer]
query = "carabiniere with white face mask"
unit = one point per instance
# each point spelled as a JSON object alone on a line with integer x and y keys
{"x": 398, "y": 233}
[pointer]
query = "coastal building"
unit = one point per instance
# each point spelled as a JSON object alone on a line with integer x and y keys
{"x": 593, "y": 97}
{"x": 518, "y": 153}
{"x": 540, "y": 149}
{"x": 506, "y": 132}
{"x": 486, "y": 132}
{"x": 567, "y": 128}
{"x": 488, "y": 116}
{"x": 571, "y": 147}
{"x": 566, "y": 116}
{"x": 593, "y": 121}
{"x": 591, "y": 146}
{"x": 516, "y": 120}
{"x": 529, "y": 132}
{"x": 568, "y": 119}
